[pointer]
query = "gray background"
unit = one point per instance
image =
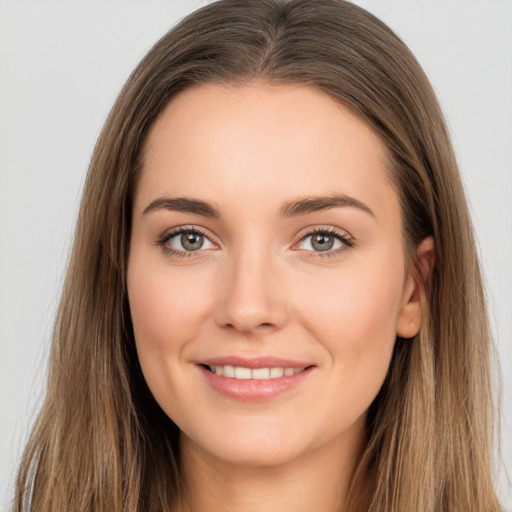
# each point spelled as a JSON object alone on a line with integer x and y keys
{"x": 62, "y": 64}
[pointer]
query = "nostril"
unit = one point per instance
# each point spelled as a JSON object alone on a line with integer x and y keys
{"x": 241, "y": 328}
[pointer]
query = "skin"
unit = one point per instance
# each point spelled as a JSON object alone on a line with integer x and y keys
{"x": 259, "y": 287}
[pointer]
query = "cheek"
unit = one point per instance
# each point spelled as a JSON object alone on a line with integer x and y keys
{"x": 354, "y": 303}
{"x": 354, "y": 318}
{"x": 163, "y": 303}
{"x": 167, "y": 314}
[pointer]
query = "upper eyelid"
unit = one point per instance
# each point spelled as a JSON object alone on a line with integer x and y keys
{"x": 165, "y": 238}
{"x": 331, "y": 230}
{"x": 306, "y": 232}
{"x": 345, "y": 239}
{"x": 185, "y": 229}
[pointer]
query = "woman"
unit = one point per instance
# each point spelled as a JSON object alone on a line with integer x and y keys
{"x": 274, "y": 299}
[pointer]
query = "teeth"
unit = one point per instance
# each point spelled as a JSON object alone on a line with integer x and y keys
{"x": 228, "y": 371}
{"x": 260, "y": 373}
{"x": 242, "y": 373}
{"x": 275, "y": 373}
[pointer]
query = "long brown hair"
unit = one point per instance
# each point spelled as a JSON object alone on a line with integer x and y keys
{"x": 102, "y": 443}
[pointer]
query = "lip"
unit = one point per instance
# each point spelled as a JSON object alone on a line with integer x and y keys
{"x": 255, "y": 362}
{"x": 253, "y": 390}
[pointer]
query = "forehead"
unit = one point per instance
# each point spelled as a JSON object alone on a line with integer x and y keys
{"x": 260, "y": 140}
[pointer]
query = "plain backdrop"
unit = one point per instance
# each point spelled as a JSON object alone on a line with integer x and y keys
{"x": 62, "y": 64}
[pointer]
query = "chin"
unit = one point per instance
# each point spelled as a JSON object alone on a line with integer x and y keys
{"x": 258, "y": 456}
{"x": 257, "y": 446}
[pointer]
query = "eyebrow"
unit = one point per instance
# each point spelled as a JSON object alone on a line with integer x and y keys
{"x": 295, "y": 208}
{"x": 307, "y": 205}
{"x": 183, "y": 204}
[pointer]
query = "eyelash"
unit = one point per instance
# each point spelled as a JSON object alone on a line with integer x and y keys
{"x": 347, "y": 241}
{"x": 162, "y": 241}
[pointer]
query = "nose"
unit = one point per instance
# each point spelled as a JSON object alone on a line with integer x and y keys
{"x": 251, "y": 295}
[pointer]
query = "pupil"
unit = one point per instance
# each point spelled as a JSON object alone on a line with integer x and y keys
{"x": 191, "y": 241}
{"x": 322, "y": 242}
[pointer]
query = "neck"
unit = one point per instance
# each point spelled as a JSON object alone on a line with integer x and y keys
{"x": 317, "y": 480}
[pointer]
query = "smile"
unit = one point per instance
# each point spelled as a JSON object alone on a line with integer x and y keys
{"x": 254, "y": 380}
{"x": 243, "y": 373}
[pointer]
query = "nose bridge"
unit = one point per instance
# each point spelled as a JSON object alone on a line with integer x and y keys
{"x": 250, "y": 293}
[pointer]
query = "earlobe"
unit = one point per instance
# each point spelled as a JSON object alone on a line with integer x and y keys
{"x": 410, "y": 315}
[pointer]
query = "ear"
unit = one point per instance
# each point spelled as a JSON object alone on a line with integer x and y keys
{"x": 410, "y": 314}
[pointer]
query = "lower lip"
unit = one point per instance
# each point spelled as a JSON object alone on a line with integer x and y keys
{"x": 254, "y": 390}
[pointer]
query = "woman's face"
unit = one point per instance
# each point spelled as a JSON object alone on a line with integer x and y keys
{"x": 267, "y": 248}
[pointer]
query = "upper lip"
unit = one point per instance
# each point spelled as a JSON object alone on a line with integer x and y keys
{"x": 255, "y": 362}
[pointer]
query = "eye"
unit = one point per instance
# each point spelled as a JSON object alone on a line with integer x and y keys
{"x": 328, "y": 241}
{"x": 185, "y": 240}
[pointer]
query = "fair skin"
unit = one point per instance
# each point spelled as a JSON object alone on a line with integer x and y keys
{"x": 320, "y": 292}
